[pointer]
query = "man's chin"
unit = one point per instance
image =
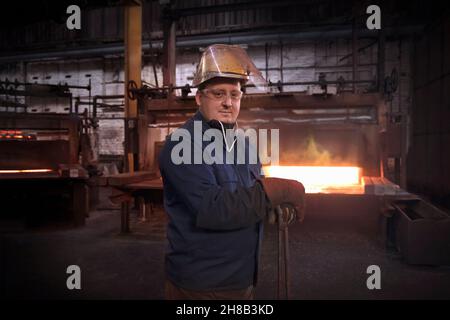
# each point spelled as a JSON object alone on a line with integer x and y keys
{"x": 226, "y": 119}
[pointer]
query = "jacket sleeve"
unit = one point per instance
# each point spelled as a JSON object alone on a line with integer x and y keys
{"x": 216, "y": 208}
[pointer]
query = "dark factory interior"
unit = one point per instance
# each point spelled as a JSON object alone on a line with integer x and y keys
{"x": 357, "y": 91}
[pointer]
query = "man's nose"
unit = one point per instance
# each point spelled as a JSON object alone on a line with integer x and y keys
{"x": 227, "y": 101}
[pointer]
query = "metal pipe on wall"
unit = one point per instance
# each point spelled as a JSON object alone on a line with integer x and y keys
{"x": 262, "y": 36}
{"x": 354, "y": 55}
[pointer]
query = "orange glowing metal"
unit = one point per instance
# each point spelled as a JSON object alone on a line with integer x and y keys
{"x": 17, "y": 135}
{"x": 27, "y": 171}
{"x": 318, "y": 179}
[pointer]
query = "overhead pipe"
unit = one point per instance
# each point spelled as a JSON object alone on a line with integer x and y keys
{"x": 263, "y": 36}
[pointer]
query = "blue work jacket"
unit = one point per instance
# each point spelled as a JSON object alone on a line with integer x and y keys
{"x": 215, "y": 211}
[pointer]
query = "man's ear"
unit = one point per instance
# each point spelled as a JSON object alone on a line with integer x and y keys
{"x": 197, "y": 98}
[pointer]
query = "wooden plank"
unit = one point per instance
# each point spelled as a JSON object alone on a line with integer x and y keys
{"x": 153, "y": 184}
{"x": 122, "y": 179}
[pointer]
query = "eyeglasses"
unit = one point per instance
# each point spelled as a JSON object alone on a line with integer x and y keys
{"x": 221, "y": 95}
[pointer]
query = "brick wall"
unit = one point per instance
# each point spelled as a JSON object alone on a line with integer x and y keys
{"x": 289, "y": 62}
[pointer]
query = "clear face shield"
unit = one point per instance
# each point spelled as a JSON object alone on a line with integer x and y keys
{"x": 228, "y": 61}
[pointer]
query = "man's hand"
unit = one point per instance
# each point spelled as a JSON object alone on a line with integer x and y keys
{"x": 286, "y": 214}
{"x": 285, "y": 192}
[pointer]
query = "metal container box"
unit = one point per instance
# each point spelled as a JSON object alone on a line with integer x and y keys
{"x": 422, "y": 233}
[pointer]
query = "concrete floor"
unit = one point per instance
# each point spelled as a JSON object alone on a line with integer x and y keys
{"x": 325, "y": 263}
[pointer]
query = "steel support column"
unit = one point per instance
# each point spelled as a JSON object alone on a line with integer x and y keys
{"x": 133, "y": 59}
{"x": 169, "y": 49}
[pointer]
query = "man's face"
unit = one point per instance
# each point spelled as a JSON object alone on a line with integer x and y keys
{"x": 220, "y": 100}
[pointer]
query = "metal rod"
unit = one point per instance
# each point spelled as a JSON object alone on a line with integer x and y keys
{"x": 24, "y": 93}
{"x": 355, "y": 54}
{"x": 270, "y": 84}
{"x": 70, "y": 104}
{"x": 152, "y": 53}
{"x": 77, "y": 103}
{"x": 283, "y": 253}
{"x": 117, "y": 96}
{"x": 266, "y": 47}
{"x": 381, "y": 57}
{"x": 281, "y": 61}
{"x": 15, "y": 83}
{"x": 286, "y": 262}
{"x": 97, "y": 104}
{"x": 195, "y": 11}
{"x": 280, "y": 259}
{"x": 338, "y": 68}
{"x": 359, "y": 50}
{"x": 89, "y": 99}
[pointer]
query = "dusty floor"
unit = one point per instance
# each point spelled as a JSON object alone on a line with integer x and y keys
{"x": 325, "y": 263}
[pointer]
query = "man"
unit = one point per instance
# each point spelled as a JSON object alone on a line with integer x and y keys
{"x": 216, "y": 210}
